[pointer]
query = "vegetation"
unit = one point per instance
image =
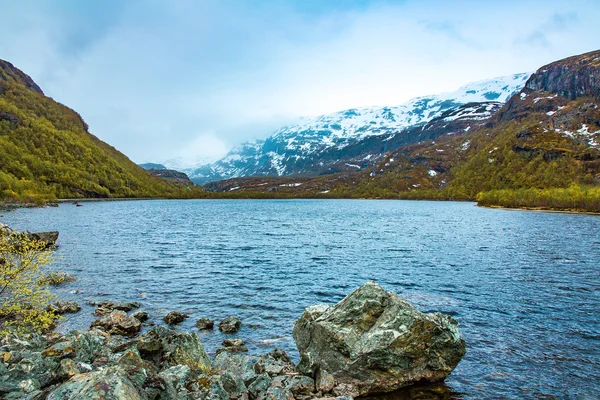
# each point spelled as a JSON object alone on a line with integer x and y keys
{"x": 46, "y": 152}
{"x": 573, "y": 198}
{"x": 24, "y": 294}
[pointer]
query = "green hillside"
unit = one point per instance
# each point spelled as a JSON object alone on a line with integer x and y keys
{"x": 46, "y": 152}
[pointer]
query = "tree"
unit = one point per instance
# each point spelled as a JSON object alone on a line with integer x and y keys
{"x": 24, "y": 294}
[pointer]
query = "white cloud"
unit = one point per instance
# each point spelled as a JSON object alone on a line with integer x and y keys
{"x": 163, "y": 80}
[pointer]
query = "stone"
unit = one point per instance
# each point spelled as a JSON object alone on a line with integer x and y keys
{"x": 141, "y": 316}
{"x": 300, "y": 385}
{"x": 166, "y": 348}
{"x": 259, "y": 386}
{"x": 236, "y": 372}
{"x": 118, "y": 323}
{"x": 276, "y": 362}
{"x": 205, "y": 324}
{"x": 175, "y": 317}
{"x": 49, "y": 238}
{"x": 64, "y": 307}
{"x": 324, "y": 381}
{"x": 112, "y": 383}
{"x": 230, "y": 325}
{"x": 373, "y": 342}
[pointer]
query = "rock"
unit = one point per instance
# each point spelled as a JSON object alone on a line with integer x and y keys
{"x": 118, "y": 323}
{"x": 112, "y": 383}
{"x": 64, "y": 307}
{"x": 107, "y": 307}
{"x": 49, "y": 238}
{"x": 373, "y": 341}
{"x": 166, "y": 348}
{"x": 233, "y": 346}
{"x": 205, "y": 324}
{"x": 259, "y": 386}
{"x": 300, "y": 385}
{"x": 236, "y": 372}
{"x": 276, "y": 362}
{"x": 230, "y": 325}
{"x": 175, "y": 317}
{"x": 324, "y": 381}
{"x": 141, "y": 316}
{"x": 58, "y": 278}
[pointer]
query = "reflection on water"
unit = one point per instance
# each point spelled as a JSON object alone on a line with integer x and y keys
{"x": 524, "y": 287}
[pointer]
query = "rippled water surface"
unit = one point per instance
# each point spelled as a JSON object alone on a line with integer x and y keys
{"x": 524, "y": 286}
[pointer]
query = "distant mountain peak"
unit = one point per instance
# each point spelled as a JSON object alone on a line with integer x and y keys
{"x": 293, "y": 149}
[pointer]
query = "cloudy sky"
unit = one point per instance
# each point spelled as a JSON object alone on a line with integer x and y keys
{"x": 193, "y": 78}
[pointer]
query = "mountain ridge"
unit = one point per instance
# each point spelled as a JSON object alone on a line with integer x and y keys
{"x": 295, "y": 150}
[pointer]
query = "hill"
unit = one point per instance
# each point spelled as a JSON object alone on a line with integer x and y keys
{"x": 47, "y": 152}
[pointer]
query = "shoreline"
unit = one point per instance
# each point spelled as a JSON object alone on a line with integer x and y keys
{"x": 8, "y": 206}
{"x": 541, "y": 209}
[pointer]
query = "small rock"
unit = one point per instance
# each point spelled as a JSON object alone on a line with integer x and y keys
{"x": 324, "y": 381}
{"x": 230, "y": 325}
{"x": 118, "y": 323}
{"x": 141, "y": 316}
{"x": 175, "y": 317}
{"x": 233, "y": 346}
{"x": 205, "y": 324}
{"x": 274, "y": 363}
{"x": 64, "y": 307}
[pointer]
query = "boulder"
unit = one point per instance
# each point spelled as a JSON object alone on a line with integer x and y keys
{"x": 205, "y": 324}
{"x": 166, "y": 348}
{"x": 64, "y": 307}
{"x": 373, "y": 342}
{"x": 230, "y": 325}
{"x": 49, "y": 238}
{"x": 233, "y": 346}
{"x": 175, "y": 317}
{"x": 118, "y": 323}
{"x": 112, "y": 383}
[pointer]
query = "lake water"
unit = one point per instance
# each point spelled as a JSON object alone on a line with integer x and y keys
{"x": 524, "y": 286}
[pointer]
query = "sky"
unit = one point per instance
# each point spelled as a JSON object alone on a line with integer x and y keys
{"x": 187, "y": 80}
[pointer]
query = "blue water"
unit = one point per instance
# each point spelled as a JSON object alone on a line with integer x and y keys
{"x": 524, "y": 286}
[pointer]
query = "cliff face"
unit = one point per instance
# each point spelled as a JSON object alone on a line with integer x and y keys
{"x": 572, "y": 78}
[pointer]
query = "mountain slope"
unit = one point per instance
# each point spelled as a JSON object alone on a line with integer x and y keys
{"x": 326, "y": 143}
{"x": 47, "y": 152}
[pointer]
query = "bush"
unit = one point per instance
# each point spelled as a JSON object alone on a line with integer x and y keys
{"x": 24, "y": 293}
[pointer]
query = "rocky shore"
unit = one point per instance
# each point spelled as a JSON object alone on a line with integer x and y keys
{"x": 370, "y": 342}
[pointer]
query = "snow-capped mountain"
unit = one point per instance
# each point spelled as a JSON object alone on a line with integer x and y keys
{"x": 310, "y": 147}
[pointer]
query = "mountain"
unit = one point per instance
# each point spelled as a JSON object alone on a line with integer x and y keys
{"x": 540, "y": 149}
{"x": 355, "y": 138}
{"x": 47, "y": 152}
{"x": 152, "y": 166}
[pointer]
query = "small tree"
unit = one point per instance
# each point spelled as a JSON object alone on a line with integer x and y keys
{"x": 24, "y": 295}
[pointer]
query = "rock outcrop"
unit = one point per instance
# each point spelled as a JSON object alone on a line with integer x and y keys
{"x": 373, "y": 341}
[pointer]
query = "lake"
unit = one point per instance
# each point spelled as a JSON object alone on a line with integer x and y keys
{"x": 524, "y": 286}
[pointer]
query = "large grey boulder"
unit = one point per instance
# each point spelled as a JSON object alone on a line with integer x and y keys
{"x": 373, "y": 342}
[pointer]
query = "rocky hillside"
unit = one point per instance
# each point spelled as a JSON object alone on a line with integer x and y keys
{"x": 47, "y": 152}
{"x": 356, "y": 138}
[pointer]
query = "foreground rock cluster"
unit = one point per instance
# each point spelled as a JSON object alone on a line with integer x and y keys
{"x": 370, "y": 342}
